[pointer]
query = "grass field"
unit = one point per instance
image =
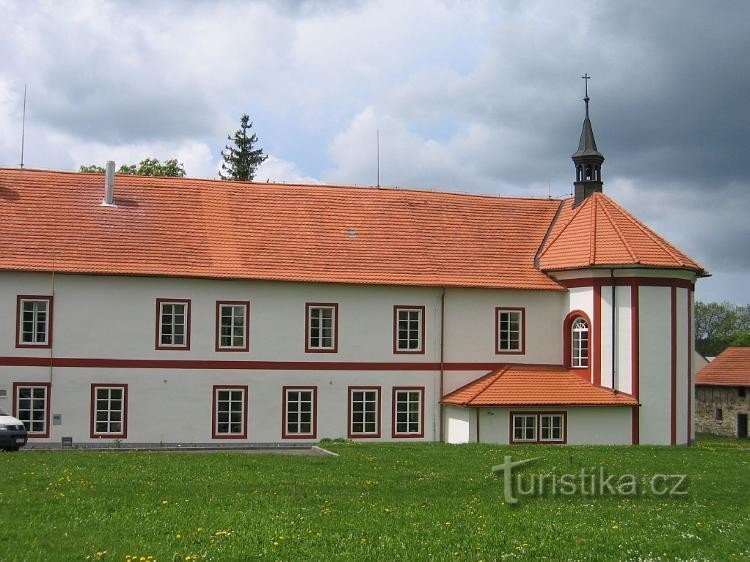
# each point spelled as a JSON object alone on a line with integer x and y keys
{"x": 372, "y": 502}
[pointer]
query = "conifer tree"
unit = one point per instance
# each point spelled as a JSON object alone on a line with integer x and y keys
{"x": 240, "y": 159}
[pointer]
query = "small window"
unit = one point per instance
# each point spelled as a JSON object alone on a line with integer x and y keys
{"x": 742, "y": 392}
{"x": 364, "y": 412}
{"x": 509, "y": 330}
{"x": 321, "y": 328}
{"x": 31, "y": 406}
{"x": 408, "y": 412}
{"x": 173, "y": 324}
{"x": 538, "y": 427}
{"x": 579, "y": 343}
{"x": 230, "y": 412}
{"x": 408, "y": 329}
{"x": 231, "y": 326}
{"x": 109, "y": 410}
{"x": 719, "y": 414}
{"x": 524, "y": 428}
{"x": 551, "y": 427}
{"x": 34, "y": 321}
{"x": 299, "y": 412}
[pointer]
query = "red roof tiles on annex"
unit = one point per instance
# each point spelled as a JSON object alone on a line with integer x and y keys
{"x": 730, "y": 368}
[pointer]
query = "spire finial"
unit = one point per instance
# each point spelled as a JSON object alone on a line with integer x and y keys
{"x": 586, "y": 78}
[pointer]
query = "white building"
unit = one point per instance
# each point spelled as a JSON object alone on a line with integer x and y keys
{"x": 197, "y": 311}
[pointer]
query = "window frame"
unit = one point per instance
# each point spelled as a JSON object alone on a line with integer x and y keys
{"x": 394, "y": 404}
{"x": 571, "y": 317}
{"x": 219, "y": 305}
{"x": 47, "y": 406}
{"x": 521, "y": 332}
{"x": 92, "y": 414}
{"x": 20, "y": 299}
{"x": 351, "y": 434}
{"x": 167, "y": 347}
{"x": 418, "y": 308}
{"x": 538, "y": 440}
{"x": 215, "y": 389}
{"x": 314, "y": 418}
{"x": 334, "y": 333}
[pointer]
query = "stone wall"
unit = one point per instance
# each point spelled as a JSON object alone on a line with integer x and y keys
{"x": 709, "y": 399}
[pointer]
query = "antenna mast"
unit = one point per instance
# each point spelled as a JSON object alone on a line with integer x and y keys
{"x": 23, "y": 124}
{"x": 378, "y": 143}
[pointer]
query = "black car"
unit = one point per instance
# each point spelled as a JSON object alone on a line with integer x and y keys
{"x": 12, "y": 432}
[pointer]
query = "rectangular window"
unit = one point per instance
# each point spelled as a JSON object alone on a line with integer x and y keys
{"x": 173, "y": 324}
{"x": 408, "y": 412}
{"x": 364, "y": 411}
{"x": 551, "y": 427}
{"x": 34, "y": 321}
{"x": 741, "y": 392}
{"x": 538, "y": 427}
{"x": 231, "y": 326}
{"x": 321, "y": 327}
{"x": 510, "y": 330}
{"x": 229, "y": 412}
{"x": 109, "y": 410}
{"x": 299, "y": 412}
{"x": 408, "y": 329}
{"x": 719, "y": 414}
{"x": 31, "y": 406}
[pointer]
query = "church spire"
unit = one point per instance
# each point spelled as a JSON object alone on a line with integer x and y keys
{"x": 587, "y": 159}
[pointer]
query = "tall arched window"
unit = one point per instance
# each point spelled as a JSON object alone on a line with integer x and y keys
{"x": 579, "y": 348}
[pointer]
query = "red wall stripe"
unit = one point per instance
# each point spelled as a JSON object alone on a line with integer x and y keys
{"x": 673, "y": 374}
{"x": 596, "y": 352}
{"x": 634, "y": 359}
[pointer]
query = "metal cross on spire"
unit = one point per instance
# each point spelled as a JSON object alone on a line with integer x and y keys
{"x": 586, "y": 77}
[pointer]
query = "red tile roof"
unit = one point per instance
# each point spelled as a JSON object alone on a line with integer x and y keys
{"x": 535, "y": 385}
{"x": 730, "y": 368}
{"x": 601, "y": 233}
{"x": 218, "y": 229}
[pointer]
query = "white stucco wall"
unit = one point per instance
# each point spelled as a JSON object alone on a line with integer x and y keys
{"x": 586, "y": 426}
{"x": 655, "y": 364}
{"x": 460, "y": 425}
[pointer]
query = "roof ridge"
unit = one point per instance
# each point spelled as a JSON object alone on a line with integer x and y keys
{"x": 563, "y": 229}
{"x": 543, "y": 246}
{"x": 620, "y": 235}
{"x": 592, "y": 232}
{"x": 648, "y": 232}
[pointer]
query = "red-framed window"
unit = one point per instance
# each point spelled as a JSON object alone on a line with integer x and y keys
{"x": 538, "y": 427}
{"x": 34, "y": 321}
{"x": 109, "y": 410}
{"x": 299, "y": 412}
{"x": 577, "y": 342}
{"x": 232, "y": 320}
{"x": 31, "y": 405}
{"x": 364, "y": 412}
{"x": 229, "y": 412}
{"x": 510, "y": 330}
{"x": 408, "y": 329}
{"x": 408, "y": 411}
{"x": 321, "y": 327}
{"x": 173, "y": 324}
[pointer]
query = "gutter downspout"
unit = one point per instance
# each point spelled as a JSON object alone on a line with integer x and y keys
{"x": 442, "y": 364}
{"x": 614, "y": 330}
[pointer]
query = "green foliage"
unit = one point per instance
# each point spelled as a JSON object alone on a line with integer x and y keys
{"x": 373, "y": 502}
{"x": 240, "y": 158}
{"x": 147, "y": 167}
{"x": 741, "y": 340}
{"x": 719, "y": 325}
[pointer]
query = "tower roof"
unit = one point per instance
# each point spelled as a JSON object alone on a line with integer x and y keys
{"x": 600, "y": 233}
{"x": 587, "y": 143}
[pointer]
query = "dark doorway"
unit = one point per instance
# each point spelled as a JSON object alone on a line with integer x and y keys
{"x": 742, "y": 426}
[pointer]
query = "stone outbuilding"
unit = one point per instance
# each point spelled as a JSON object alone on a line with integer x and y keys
{"x": 723, "y": 394}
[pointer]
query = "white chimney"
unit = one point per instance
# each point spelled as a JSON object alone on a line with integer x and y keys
{"x": 109, "y": 184}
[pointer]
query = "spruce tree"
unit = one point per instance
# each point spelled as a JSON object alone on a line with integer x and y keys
{"x": 240, "y": 159}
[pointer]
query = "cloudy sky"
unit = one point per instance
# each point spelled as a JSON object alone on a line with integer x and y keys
{"x": 467, "y": 95}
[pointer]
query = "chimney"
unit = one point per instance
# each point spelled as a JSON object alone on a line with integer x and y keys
{"x": 109, "y": 184}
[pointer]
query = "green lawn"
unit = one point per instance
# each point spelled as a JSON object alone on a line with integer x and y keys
{"x": 372, "y": 502}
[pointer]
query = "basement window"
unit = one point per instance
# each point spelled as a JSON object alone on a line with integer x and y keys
{"x": 719, "y": 414}
{"x": 538, "y": 427}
